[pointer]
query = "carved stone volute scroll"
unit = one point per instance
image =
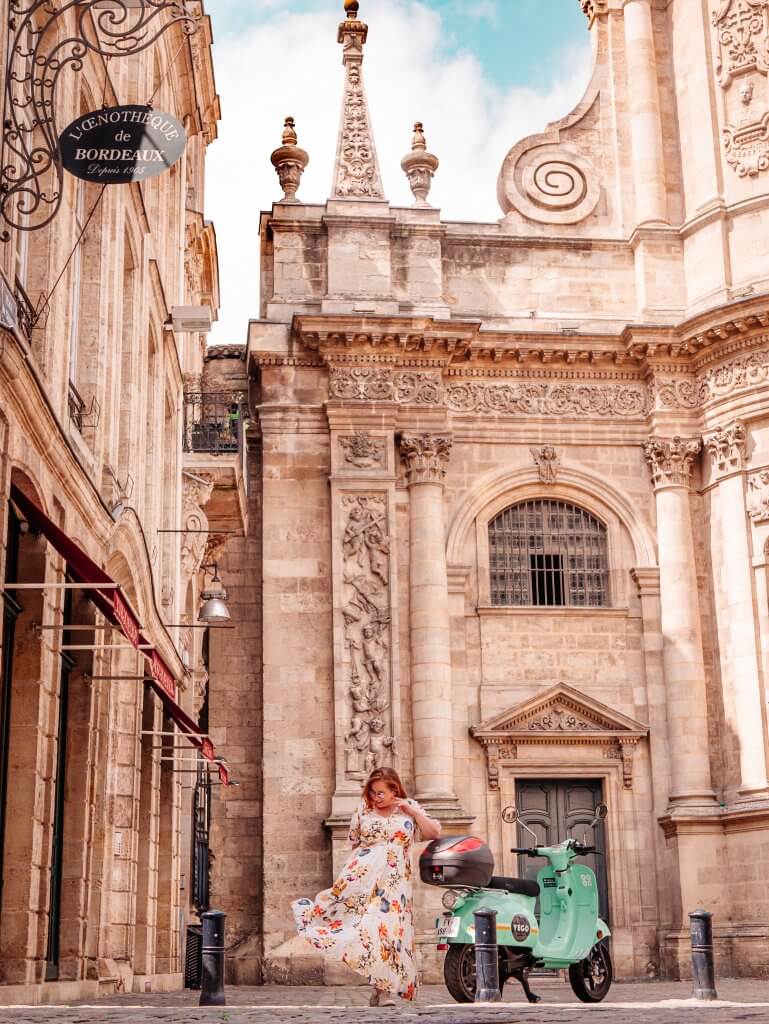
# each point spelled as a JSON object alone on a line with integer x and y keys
{"x": 196, "y": 492}
{"x": 368, "y": 740}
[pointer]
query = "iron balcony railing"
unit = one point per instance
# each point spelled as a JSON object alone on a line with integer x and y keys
{"x": 26, "y": 315}
{"x": 214, "y": 423}
{"x": 76, "y": 407}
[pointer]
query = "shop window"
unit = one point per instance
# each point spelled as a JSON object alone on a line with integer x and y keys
{"x": 548, "y": 553}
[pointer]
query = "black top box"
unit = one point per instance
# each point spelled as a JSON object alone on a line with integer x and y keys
{"x": 456, "y": 861}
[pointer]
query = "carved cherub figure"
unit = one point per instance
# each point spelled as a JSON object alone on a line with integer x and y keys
{"x": 379, "y": 743}
{"x": 378, "y": 546}
{"x": 374, "y": 653}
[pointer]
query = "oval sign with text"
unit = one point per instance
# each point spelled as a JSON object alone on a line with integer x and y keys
{"x": 117, "y": 145}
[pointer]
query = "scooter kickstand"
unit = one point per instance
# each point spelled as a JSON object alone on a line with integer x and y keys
{"x": 523, "y": 977}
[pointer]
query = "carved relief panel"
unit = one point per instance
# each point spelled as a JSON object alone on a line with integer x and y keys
{"x": 366, "y": 652}
{"x": 742, "y": 69}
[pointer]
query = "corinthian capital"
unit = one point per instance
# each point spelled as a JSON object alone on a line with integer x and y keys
{"x": 670, "y": 460}
{"x": 593, "y": 8}
{"x": 426, "y": 457}
{"x": 727, "y": 447}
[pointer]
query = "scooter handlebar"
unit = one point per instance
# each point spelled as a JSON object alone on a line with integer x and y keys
{"x": 529, "y": 851}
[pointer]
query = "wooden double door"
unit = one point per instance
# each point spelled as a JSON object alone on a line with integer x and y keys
{"x": 557, "y": 809}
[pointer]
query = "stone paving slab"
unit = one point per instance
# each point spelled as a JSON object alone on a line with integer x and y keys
{"x": 652, "y": 1003}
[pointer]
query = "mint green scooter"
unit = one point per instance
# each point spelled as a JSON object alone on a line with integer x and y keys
{"x": 569, "y": 932}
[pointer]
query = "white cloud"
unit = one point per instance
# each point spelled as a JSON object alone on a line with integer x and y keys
{"x": 291, "y": 64}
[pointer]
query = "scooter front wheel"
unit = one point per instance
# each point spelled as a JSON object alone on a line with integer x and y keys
{"x": 591, "y": 978}
{"x": 459, "y": 973}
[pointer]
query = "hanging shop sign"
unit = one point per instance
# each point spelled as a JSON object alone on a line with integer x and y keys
{"x": 117, "y": 145}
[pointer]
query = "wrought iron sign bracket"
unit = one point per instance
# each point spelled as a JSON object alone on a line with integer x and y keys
{"x": 40, "y": 51}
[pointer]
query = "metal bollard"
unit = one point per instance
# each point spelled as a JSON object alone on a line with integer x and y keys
{"x": 703, "y": 973}
{"x": 212, "y": 974}
{"x": 486, "y": 957}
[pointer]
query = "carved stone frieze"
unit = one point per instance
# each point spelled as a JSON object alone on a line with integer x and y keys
{"x": 558, "y": 718}
{"x": 426, "y": 457}
{"x": 364, "y": 451}
{"x": 742, "y": 65}
{"x": 534, "y": 398}
{"x": 727, "y": 447}
{"x": 356, "y": 173}
{"x": 385, "y": 384}
{"x": 368, "y": 740}
{"x": 758, "y": 496}
{"x": 674, "y": 394}
{"x": 670, "y": 460}
{"x": 547, "y": 462}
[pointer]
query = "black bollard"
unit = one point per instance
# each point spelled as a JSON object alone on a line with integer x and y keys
{"x": 486, "y": 957}
{"x": 703, "y": 972}
{"x": 212, "y": 974}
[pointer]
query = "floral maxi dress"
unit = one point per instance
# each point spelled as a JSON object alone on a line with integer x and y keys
{"x": 365, "y": 918}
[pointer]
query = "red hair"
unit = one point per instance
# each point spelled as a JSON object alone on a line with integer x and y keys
{"x": 390, "y": 778}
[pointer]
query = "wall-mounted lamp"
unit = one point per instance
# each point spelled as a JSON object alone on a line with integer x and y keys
{"x": 214, "y": 608}
{"x": 125, "y": 489}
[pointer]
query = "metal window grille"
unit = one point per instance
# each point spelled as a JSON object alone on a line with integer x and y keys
{"x": 76, "y": 407}
{"x": 546, "y": 552}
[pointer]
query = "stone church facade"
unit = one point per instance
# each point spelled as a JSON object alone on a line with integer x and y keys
{"x": 509, "y": 521}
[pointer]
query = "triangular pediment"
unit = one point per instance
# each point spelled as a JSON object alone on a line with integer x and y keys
{"x": 559, "y": 712}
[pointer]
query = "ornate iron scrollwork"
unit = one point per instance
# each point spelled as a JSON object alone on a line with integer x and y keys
{"x": 37, "y": 58}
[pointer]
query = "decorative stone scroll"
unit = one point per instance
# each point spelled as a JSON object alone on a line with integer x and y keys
{"x": 670, "y": 460}
{"x": 530, "y": 398}
{"x": 385, "y": 384}
{"x": 560, "y": 716}
{"x": 758, "y": 496}
{"x": 426, "y": 458}
{"x": 368, "y": 740}
{"x": 547, "y": 462}
{"x": 196, "y": 492}
{"x": 727, "y": 447}
{"x": 364, "y": 451}
{"x": 592, "y": 8}
{"x": 356, "y": 172}
{"x": 742, "y": 66}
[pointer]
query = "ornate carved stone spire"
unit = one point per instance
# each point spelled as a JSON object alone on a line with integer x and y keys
{"x": 420, "y": 166}
{"x": 670, "y": 460}
{"x": 356, "y": 171}
{"x": 289, "y": 162}
{"x": 426, "y": 458}
{"x": 727, "y": 447}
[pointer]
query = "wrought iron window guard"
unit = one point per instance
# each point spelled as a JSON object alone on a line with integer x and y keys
{"x": 85, "y": 417}
{"x": 37, "y": 59}
{"x": 214, "y": 422}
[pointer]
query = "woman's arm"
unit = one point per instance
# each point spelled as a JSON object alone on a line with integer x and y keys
{"x": 428, "y": 827}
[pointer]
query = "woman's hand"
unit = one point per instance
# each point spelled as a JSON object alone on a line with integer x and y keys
{"x": 405, "y": 807}
{"x": 428, "y": 827}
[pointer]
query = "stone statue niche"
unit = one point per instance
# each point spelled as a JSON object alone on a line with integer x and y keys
{"x": 368, "y": 741}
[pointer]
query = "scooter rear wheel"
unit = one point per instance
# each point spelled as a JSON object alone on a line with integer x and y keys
{"x": 591, "y": 978}
{"x": 459, "y": 973}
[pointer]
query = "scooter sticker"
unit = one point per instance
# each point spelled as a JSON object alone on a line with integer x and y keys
{"x": 520, "y": 928}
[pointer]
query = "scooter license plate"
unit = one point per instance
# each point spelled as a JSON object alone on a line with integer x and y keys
{"x": 448, "y": 928}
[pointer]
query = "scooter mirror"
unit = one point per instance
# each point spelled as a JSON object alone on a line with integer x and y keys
{"x": 511, "y": 814}
{"x": 601, "y": 812}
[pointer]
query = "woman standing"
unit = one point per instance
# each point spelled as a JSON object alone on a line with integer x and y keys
{"x": 365, "y": 918}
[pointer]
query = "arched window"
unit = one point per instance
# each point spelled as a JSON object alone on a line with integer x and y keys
{"x": 545, "y": 552}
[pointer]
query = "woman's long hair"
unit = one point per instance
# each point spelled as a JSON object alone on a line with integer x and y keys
{"x": 390, "y": 778}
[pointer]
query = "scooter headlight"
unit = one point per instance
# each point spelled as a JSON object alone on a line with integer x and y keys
{"x": 450, "y": 899}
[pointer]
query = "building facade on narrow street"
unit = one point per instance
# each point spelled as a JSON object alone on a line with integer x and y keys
{"x": 509, "y": 520}
{"x": 107, "y": 294}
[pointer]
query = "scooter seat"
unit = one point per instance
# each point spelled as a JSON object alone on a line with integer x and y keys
{"x": 519, "y": 886}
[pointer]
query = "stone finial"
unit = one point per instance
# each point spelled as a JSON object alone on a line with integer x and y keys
{"x": 419, "y": 166}
{"x": 289, "y": 162}
{"x": 356, "y": 168}
{"x": 671, "y": 459}
{"x": 426, "y": 458}
{"x": 727, "y": 447}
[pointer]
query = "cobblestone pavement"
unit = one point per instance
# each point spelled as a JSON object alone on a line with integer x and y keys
{"x": 652, "y": 1003}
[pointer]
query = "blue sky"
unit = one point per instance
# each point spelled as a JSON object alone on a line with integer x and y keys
{"x": 481, "y": 75}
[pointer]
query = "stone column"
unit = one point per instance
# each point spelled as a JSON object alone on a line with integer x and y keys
{"x": 735, "y": 610}
{"x": 645, "y": 118}
{"x": 670, "y": 462}
{"x": 426, "y": 457}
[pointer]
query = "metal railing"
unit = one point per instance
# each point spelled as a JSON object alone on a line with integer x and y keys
{"x": 76, "y": 407}
{"x": 214, "y": 423}
{"x": 26, "y": 315}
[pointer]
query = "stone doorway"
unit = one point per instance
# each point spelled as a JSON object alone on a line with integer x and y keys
{"x": 556, "y": 809}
